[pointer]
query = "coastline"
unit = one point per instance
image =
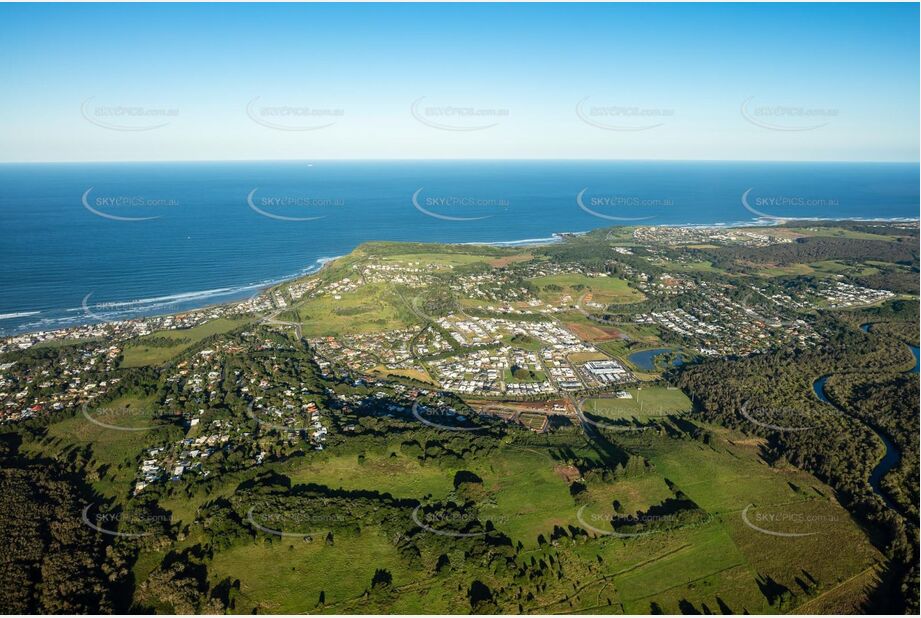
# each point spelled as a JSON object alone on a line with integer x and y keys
{"x": 162, "y": 302}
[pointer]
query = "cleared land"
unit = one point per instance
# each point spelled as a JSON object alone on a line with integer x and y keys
{"x": 644, "y": 403}
{"x": 607, "y": 290}
{"x": 718, "y": 564}
{"x": 141, "y": 353}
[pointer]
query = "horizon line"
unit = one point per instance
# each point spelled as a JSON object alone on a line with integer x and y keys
{"x": 466, "y": 159}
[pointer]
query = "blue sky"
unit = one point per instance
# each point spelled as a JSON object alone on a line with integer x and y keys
{"x": 349, "y": 81}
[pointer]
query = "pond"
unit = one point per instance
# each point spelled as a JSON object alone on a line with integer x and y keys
{"x": 645, "y": 360}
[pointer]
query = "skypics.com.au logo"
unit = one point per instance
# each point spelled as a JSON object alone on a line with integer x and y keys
{"x": 293, "y": 117}
{"x": 449, "y": 207}
{"x": 457, "y": 118}
{"x": 804, "y": 206}
{"x": 272, "y": 207}
{"x": 786, "y": 118}
{"x": 127, "y": 118}
{"x": 622, "y": 207}
{"x": 121, "y": 207}
{"x": 624, "y": 118}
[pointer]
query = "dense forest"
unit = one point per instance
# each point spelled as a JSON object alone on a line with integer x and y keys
{"x": 52, "y": 562}
{"x": 816, "y": 249}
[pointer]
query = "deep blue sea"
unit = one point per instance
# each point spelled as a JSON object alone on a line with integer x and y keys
{"x": 147, "y": 238}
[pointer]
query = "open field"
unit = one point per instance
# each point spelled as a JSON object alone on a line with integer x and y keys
{"x": 116, "y": 436}
{"x": 825, "y": 268}
{"x": 607, "y": 290}
{"x": 287, "y": 579}
{"x": 371, "y": 308}
{"x": 593, "y": 332}
{"x": 834, "y": 232}
{"x": 414, "y": 374}
{"x": 690, "y": 267}
{"x": 791, "y": 270}
{"x": 391, "y": 472}
{"x": 720, "y": 564}
{"x": 511, "y": 259}
{"x": 584, "y": 357}
{"x": 140, "y": 354}
{"x": 443, "y": 260}
{"x": 647, "y": 402}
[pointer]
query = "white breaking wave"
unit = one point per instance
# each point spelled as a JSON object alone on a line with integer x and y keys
{"x": 113, "y": 311}
{"x": 512, "y": 243}
{"x": 21, "y": 314}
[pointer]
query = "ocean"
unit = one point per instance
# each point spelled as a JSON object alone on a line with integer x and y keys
{"x": 131, "y": 239}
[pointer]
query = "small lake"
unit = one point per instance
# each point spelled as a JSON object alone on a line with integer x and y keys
{"x": 646, "y": 359}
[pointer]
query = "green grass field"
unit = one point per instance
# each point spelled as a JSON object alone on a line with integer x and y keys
{"x": 289, "y": 575}
{"x": 531, "y": 376}
{"x": 700, "y": 266}
{"x": 370, "y": 308}
{"x": 607, "y": 290}
{"x": 713, "y": 565}
{"x": 647, "y": 402}
{"x": 832, "y": 232}
{"x": 398, "y": 475}
{"x": 137, "y": 354}
{"x": 123, "y": 429}
{"x": 443, "y": 260}
{"x": 826, "y": 268}
{"x": 720, "y": 564}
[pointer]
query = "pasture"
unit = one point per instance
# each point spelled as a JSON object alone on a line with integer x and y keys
{"x": 646, "y": 402}
{"x": 605, "y": 290}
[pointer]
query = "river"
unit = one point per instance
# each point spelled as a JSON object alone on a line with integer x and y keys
{"x": 891, "y": 457}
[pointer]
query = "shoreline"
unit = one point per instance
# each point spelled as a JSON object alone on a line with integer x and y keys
{"x": 322, "y": 262}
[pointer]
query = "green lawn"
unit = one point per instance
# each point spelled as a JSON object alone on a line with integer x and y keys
{"x": 531, "y": 376}
{"x": 723, "y": 479}
{"x": 399, "y": 475}
{"x": 288, "y": 576}
{"x": 442, "y": 260}
{"x": 370, "y": 308}
{"x": 605, "y": 290}
{"x": 833, "y": 232}
{"x": 138, "y": 354}
{"x": 647, "y": 402}
{"x": 714, "y": 565}
{"x": 123, "y": 429}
